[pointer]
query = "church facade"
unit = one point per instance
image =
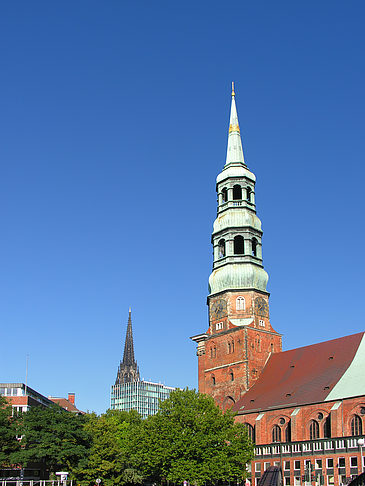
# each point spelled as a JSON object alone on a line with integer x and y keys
{"x": 303, "y": 408}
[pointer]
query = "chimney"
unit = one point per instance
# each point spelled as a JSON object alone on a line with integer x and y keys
{"x": 71, "y": 398}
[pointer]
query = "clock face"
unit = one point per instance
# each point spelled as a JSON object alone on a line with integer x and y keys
{"x": 261, "y": 307}
{"x": 218, "y": 309}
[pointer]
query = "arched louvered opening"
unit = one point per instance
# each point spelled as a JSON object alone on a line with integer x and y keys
{"x": 238, "y": 245}
{"x": 224, "y": 194}
{"x": 237, "y": 192}
{"x": 276, "y": 434}
{"x": 356, "y": 425}
{"x": 213, "y": 380}
{"x": 254, "y": 247}
{"x": 222, "y": 248}
{"x": 313, "y": 430}
{"x": 248, "y": 193}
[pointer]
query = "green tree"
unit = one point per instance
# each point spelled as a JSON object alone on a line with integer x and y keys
{"x": 191, "y": 439}
{"x": 52, "y": 436}
{"x": 110, "y": 457}
{"x": 8, "y": 441}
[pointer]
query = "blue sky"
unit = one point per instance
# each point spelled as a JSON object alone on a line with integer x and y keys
{"x": 113, "y": 125}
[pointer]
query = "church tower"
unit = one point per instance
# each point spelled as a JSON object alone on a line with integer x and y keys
{"x": 240, "y": 338}
{"x": 128, "y": 370}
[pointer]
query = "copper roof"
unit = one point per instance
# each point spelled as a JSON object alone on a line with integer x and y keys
{"x": 300, "y": 376}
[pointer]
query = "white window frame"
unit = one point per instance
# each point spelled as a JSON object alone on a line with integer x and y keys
{"x": 219, "y": 326}
{"x": 240, "y": 303}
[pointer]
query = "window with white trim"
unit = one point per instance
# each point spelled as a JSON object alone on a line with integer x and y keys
{"x": 240, "y": 303}
{"x": 261, "y": 323}
{"x": 219, "y": 326}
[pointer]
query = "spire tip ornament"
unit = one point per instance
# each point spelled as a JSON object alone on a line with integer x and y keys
{"x": 233, "y": 93}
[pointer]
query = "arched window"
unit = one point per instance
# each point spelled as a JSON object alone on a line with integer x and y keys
{"x": 276, "y": 434}
{"x": 327, "y": 427}
{"x": 237, "y": 192}
{"x": 232, "y": 346}
{"x": 213, "y": 380}
{"x": 222, "y": 248}
{"x": 224, "y": 195}
{"x": 240, "y": 303}
{"x": 248, "y": 193}
{"x": 254, "y": 247}
{"x": 231, "y": 376}
{"x": 250, "y": 431}
{"x": 356, "y": 425}
{"x": 313, "y": 430}
{"x": 229, "y": 348}
{"x": 238, "y": 245}
{"x": 288, "y": 432}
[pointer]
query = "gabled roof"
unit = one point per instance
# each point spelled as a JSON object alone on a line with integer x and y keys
{"x": 311, "y": 374}
{"x": 66, "y": 404}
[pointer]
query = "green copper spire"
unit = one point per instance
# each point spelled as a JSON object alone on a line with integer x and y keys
{"x": 237, "y": 233}
{"x": 234, "y": 146}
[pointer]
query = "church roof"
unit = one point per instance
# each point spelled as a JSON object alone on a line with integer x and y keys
{"x": 317, "y": 373}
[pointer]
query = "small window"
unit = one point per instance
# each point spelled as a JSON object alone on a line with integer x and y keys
{"x": 257, "y": 467}
{"x": 276, "y": 434}
{"x": 327, "y": 427}
{"x": 329, "y": 463}
{"x": 219, "y": 326}
{"x": 297, "y": 465}
{"x": 250, "y": 431}
{"x": 356, "y": 425}
{"x": 286, "y": 465}
{"x": 288, "y": 432}
{"x": 341, "y": 462}
{"x": 238, "y": 245}
{"x": 240, "y": 303}
{"x": 213, "y": 380}
{"x": 313, "y": 430}
{"x": 261, "y": 323}
{"x": 237, "y": 192}
{"x": 318, "y": 464}
{"x": 353, "y": 461}
{"x": 231, "y": 376}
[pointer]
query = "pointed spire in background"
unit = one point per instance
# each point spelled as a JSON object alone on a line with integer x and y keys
{"x": 234, "y": 147}
{"x": 128, "y": 356}
{"x": 128, "y": 370}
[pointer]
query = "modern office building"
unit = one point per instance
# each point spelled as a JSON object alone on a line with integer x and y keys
{"x": 304, "y": 408}
{"x": 130, "y": 392}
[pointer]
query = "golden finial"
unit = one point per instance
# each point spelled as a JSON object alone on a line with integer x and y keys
{"x": 233, "y": 89}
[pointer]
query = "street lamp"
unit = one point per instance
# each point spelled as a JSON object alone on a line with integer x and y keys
{"x": 360, "y": 443}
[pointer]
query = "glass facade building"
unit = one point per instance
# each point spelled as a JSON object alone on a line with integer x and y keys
{"x": 143, "y": 396}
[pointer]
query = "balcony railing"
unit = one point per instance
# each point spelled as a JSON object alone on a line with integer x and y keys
{"x": 308, "y": 447}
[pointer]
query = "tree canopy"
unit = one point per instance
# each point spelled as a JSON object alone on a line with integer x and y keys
{"x": 191, "y": 439}
{"x": 8, "y": 441}
{"x": 52, "y": 436}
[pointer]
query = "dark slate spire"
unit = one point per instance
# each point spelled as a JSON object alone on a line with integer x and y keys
{"x": 128, "y": 370}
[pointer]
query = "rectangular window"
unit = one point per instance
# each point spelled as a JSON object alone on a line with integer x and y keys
{"x": 318, "y": 464}
{"x": 219, "y": 326}
{"x": 266, "y": 466}
{"x": 297, "y": 465}
{"x": 261, "y": 323}
{"x": 257, "y": 467}
{"x": 341, "y": 462}
{"x": 297, "y": 481}
{"x": 353, "y": 461}
{"x": 287, "y": 465}
{"x": 287, "y": 481}
{"x": 330, "y": 480}
{"x": 329, "y": 463}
